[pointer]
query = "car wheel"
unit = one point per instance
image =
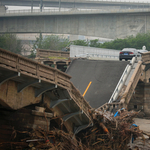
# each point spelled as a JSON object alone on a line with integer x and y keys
{"x": 126, "y": 59}
{"x": 120, "y": 59}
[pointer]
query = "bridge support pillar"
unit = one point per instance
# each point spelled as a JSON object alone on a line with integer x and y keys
{"x": 39, "y": 118}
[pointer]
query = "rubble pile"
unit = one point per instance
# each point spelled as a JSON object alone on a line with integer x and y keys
{"x": 109, "y": 132}
{"x": 112, "y": 131}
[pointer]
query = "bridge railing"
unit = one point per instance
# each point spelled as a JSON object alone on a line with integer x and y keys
{"x": 132, "y": 83}
{"x": 78, "y": 98}
{"x": 92, "y": 55}
{"x": 28, "y": 67}
{"x": 124, "y": 1}
{"x": 122, "y": 80}
{"x": 113, "y": 106}
{"x": 25, "y": 66}
{"x": 42, "y": 53}
{"x": 64, "y": 11}
{"x": 102, "y": 56}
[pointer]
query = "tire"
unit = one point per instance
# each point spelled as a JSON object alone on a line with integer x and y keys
{"x": 120, "y": 59}
{"x": 126, "y": 59}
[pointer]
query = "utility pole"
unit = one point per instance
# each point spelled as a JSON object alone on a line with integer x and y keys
{"x": 41, "y": 5}
{"x": 59, "y": 4}
{"x": 31, "y": 5}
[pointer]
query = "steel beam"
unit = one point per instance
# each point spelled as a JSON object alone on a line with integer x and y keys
{"x": 25, "y": 85}
{"x": 8, "y": 77}
{"x": 78, "y": 129}
{"x": 55, "y": 103}
{"x": 69, "y": 110}
{"x": 147, "y": 67}
{"x": 65, "y": 118}
{"x": 40, "y": 91}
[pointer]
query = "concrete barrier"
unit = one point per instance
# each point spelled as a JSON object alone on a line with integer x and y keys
{"x": 92, "y": 52}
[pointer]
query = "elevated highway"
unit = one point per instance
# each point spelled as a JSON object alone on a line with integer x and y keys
{"x": 106, "y": 19}
{"x": 105, "y": 25}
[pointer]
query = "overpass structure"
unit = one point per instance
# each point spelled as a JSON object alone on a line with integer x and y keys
{"x": 106, "y": 25}
{"x": 111, "y": 20}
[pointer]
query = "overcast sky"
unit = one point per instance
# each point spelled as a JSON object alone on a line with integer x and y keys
{"x": 22, "y": 7}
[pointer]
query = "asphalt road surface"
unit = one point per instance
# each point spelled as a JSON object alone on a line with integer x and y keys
{"x": 96, "y": 79}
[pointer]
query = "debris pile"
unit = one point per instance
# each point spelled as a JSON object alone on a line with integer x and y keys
{"x": 112, "y": 131}
{"x": 39, "y": 139}
{"x": 109, "y": 132}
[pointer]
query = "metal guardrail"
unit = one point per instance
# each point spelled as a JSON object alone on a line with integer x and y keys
{"x": 90, "y": 55}
{"x": 64, "y": 11}
{"x": 113, "y": 106}
{"x": 125, "y": 1}
{"x": 122, "y": 80}
{"x": 104, "y": 56}
{"x": 132, "y": 83}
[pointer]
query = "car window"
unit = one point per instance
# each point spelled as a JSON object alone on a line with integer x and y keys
{"x": 128, "y": 49}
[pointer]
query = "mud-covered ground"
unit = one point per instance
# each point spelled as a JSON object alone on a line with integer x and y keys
{"x": 144, "y": 124}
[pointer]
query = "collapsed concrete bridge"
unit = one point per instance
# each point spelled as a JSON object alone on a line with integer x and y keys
{"x": 27, "y": 84}
{"x": 24, "y": 82}
{"x": 111, "y": 85}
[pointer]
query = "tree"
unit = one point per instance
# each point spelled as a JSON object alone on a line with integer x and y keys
{"x": 51, "y": 42}
{"x": 11, "y": 43}
{"x": 38, "y": 42}
{"x": 80, "y": 42}
{"x": 94, "y": 43}
{"x": 130, "y": 42}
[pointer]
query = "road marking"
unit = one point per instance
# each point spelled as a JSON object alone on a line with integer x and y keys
{"x": 87, "y": 89}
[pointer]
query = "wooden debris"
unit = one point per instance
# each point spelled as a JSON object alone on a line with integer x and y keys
{"x": 107, "y": 133}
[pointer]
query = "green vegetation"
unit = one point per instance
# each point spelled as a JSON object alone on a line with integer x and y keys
{"x": 32, "y": 55}
{"x": 11, "y": 43}
{"x": 94, "y": 43}
{"x": 80, "y": 42}
{"x": 51, "y": 42}
{"x": 129, "y": 42}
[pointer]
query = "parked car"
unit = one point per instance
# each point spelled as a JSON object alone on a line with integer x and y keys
{"x": 128, "y": 54}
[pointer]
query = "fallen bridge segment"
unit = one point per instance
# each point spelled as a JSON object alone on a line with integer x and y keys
{"x": 96, "y": 79}
{"x": 24, "y": 82}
